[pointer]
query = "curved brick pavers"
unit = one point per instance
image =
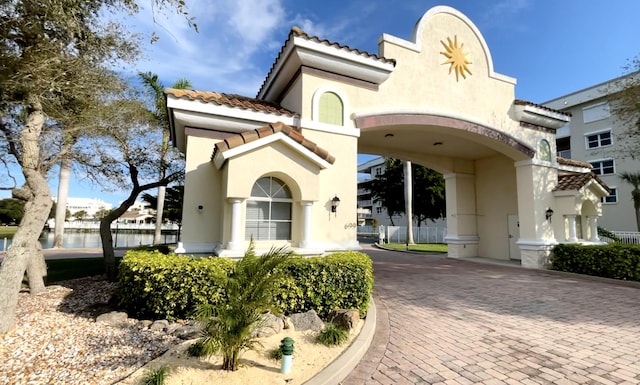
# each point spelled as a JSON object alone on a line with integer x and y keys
{"x": 443, "y": 321}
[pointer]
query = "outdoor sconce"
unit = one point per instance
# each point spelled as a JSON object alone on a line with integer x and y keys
{"x": 548, "y": 214}
{"x": 335, "y": 202}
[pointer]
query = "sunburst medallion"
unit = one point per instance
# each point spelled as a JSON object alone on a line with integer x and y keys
{"x": 457, "y": 58}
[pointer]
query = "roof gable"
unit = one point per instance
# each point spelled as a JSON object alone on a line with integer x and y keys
{"x": 249, "y": 140}
{"x": 580, "y": 182}
{"x": 303, "y": 50}
{"x": 229, "y": 100}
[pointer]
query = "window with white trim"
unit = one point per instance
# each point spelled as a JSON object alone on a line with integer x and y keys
{"x": 603, "y": 167}
{"x": 378, "y": 171}
{"x": 598, "y": 139}
{"x": 612, "y": 198}
{"x": 378, "y": 210}
{"x": 269, "y": 211}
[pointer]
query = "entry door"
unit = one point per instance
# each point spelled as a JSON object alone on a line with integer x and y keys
{"x": 514, "y": 235}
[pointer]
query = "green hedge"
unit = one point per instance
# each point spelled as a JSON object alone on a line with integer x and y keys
{"x": 618, "y": 261}
{"x": 341, "y": 280}
{"x": 154, "y": 285}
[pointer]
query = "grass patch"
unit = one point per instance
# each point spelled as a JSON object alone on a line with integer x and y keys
{"x": 156, "y": 376}
{"x": 6, "y": 231}
{"x": 332, "y": 335}
{"x": 419, "y": 247}
{"x": 64, "y": 269}
{"x": 275, "y": 354}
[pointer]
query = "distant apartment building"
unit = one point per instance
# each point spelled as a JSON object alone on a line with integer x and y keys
{"x": 368, "y": 210}
{"x": 596, "y": 135}
{"x": 89, "y": 205}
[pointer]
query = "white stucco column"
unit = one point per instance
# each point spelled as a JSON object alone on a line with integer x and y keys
{"x": 235, "y": 242}
{"x": 535, "y": 180}
{"x": 593, "y": 222}
{"x": 571, "y": 221}
{"x": 306, "y": 223}
{"x": 462, "y": 234}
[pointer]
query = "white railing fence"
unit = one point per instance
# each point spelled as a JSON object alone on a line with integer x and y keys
{"x": 628, "y": 237}
{"x": 398, "y": 234}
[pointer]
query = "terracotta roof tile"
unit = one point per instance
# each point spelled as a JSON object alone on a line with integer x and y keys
{"x": 527, "y": 103}
{"x": 262, "y": 132}
{"x": 573, "y": 162}
{"x": 230, "y": 100}
{"x": 298, "y": 32}
{"x": 576, "y": 181}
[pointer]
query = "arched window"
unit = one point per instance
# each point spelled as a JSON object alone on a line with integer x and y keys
{"x": 544, "y": 150}
{"x": 331, "y": 109}
{"x": 269, "y": 211}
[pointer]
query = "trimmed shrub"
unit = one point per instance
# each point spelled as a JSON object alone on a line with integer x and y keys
{"x": 158, "y": 286}
{"x": 616, "y": 260}
{"x": 341, "y": 280}
{"x": 163, "y": 248}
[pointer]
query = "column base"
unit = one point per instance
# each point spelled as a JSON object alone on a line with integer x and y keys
{"x": 462, "y": 246}
{"x": 536, "y": 253}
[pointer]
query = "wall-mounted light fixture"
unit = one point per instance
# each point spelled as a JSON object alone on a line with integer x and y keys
{"x": 548, "y": 214}
{"x": 200, "y": 208}
{"x": 335, "y": 202}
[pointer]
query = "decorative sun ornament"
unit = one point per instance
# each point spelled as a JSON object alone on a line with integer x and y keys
{"x": 457, "y": 57}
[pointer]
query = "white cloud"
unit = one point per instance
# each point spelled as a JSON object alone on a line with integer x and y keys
{"x": 501, "y": 10}
{"x": 224, "y": 55}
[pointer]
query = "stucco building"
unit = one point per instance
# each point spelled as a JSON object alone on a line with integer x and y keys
{"x": 597, "y": 136}
{"x": 281, "y": 168}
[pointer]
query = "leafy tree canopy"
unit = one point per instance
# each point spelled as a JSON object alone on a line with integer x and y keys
{"x": 172, "y": 203}
{"x": 626, "y": 107}
{"x": 428, "y": 191}
{"x": 11, "y": 211}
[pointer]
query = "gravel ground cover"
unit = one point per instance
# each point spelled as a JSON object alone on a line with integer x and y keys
{"x": 57, "y": 340}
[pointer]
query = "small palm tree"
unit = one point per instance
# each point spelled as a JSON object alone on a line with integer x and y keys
{"x": 250, "y": 290}
{"x": 633, "y": 178}
{"x": 155, "y": 90}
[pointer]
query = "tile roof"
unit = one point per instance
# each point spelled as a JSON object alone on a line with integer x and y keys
{"x": 298, "y": 32}
{"x": 576, "y": 181}
{"x": 262, "y": 132}
{"x": 573, "y": 162}
{"x": 230, "y": 100}
{"x": 520, "y": 102}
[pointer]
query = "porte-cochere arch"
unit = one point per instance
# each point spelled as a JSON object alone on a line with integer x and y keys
{"x": 434, "y": 99}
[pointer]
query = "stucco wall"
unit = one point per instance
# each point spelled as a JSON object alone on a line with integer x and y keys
{"x": 201, "y": 229}
{"x": 496, "y": 198}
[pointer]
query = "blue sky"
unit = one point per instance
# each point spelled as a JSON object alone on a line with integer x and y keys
{"x": 551, "y": 47}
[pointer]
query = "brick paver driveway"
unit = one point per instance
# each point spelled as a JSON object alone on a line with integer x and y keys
{"x": 444, "y": 321}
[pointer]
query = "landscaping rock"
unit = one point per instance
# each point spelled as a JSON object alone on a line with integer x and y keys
{"x": 114, "y": 318}
{"x": 162, "y": 324}
{"x": 144, "y": 323}
{"x": 271, "y": 325}
{"x": 306, "y": 321}
{"x": 188, "y": 331}
{"x": 345, "y": 318}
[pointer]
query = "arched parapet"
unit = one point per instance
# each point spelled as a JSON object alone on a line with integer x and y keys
{"x": 417, "y": 42}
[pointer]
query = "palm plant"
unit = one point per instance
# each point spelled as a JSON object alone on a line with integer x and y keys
{"x": 250, "y": 290}
{"x": 633, "y": 178}
{"x": 155, "y": 91}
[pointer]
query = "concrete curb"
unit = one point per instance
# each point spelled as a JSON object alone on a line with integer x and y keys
{"x": 342, "y": 366}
